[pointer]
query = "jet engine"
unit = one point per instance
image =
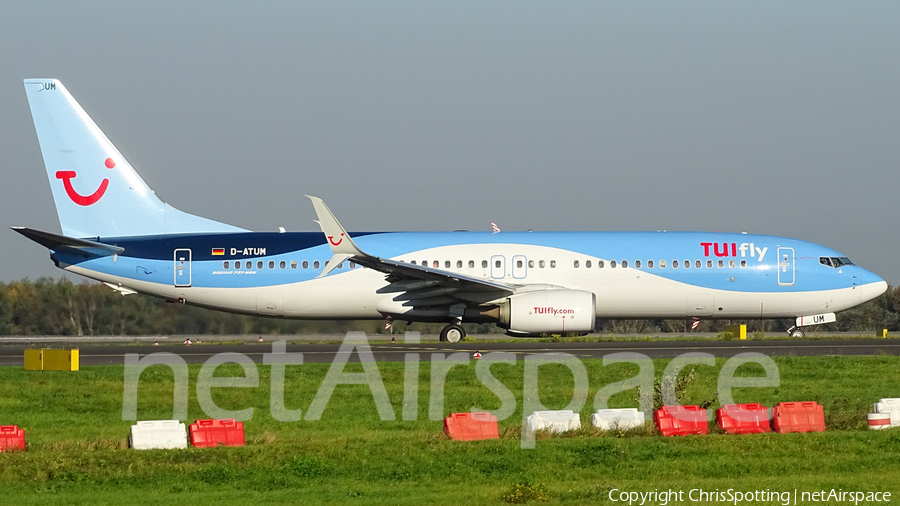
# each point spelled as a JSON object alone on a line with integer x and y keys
{"x": 546, "y": 311}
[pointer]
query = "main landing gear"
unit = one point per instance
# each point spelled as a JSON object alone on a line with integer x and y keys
{"x": 452, "y": 333}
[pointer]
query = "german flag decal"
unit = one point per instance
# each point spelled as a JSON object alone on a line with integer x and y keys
{"x": 218, "y": 251}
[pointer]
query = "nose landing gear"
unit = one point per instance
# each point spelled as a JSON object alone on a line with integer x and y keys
{"x": 796, "y": 332}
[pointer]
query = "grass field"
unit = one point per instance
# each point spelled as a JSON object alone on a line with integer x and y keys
{"x": 77, "y": 450}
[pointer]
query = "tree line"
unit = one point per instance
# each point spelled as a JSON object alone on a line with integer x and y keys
{"x": 50, "y": 306}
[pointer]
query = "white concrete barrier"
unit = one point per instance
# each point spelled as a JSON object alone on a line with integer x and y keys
{"x": 158, "y": 434}
{"x": 622, "y": 419}
{"x": 878, "y": 421}
{"x": 554, "y": 421}
{"x": 891, "y": 407}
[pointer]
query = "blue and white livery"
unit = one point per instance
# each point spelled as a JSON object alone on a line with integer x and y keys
{"x": 117, "y": 231}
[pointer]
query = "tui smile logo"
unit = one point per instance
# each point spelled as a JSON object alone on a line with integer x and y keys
{"x": 81, "y": 200}
{"x": 338, "y": 242}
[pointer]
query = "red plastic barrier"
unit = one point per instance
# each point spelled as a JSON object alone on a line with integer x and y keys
{"x": 207, "y": 433}
{"x": 743, "y": 418}
{"x": 798, "y": 417}
{"x": 471, "y": 426}
{"x": 681, "y": 420}
{"x": 12, "y": 438}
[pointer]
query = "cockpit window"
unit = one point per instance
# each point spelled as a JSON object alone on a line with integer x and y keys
{"x": 835, "y": 262}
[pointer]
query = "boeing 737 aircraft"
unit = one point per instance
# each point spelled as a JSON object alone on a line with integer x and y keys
{"x": 117, "y": 231}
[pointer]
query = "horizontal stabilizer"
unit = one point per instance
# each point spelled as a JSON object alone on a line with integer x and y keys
{"x": 121, "y": 289}
{"x": 65, "y": 244}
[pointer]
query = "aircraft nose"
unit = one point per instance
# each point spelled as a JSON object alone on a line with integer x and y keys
{"x": 872, "y": 285}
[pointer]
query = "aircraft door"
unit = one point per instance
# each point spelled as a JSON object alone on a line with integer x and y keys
{"x": 785, "y": 266}
{"x": 498, "y": 266}
{"x": 182, "y": 267}
{"x": 519, "y": 266}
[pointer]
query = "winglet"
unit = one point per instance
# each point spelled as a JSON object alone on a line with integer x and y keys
{"x": 339, "y": 240}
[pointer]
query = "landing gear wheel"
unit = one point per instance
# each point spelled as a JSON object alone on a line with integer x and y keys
{"x": 452, "y": 334}
{"x": 796, "y": 332}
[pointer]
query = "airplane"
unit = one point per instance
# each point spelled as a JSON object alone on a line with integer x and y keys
{"x": 116, "y": 230}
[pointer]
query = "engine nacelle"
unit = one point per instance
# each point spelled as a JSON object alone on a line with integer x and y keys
{"x": 549, "y": 311}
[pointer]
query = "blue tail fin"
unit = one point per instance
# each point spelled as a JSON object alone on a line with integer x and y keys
{"x": 96, "y": 191}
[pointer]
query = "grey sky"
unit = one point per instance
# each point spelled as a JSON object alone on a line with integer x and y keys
{"x": 767, "y": 117}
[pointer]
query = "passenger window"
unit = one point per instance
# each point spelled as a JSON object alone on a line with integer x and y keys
{"x": 531, "y": 264}
{"x": 587, "y": 264}
{"x": 601, "y": 264}
{"x": 519, "y": 264}
{"x": 259, "y": 264}
{"x": 624, "y": 264}
{"x": 731, "y": 264}
{"x": 305, "y": 264}
{"x": 225, "y": 264}
{"x": 552, "y": 264}
{"x": 576, "y": 264}
{"x": 687, "y": 264}
{"x": 340, "y": 265}
{"x": 541, "y": 264}
{"x": 413, "y": 262}
{"x": 698, "y": 264}
{"x": 459, "y": 264}
{"x": 637, "y": 264}
{"x": 709, "y": 264}
{"x": 471, "y": 264}
{"x": 315, "y": 264}
{"x": 282, "y": 264}
{"x": 353, "y": 265}
{"x": 436, "y": 264}
{"x": 446, "y": 264}
{"x": 721, "y": 264}
{"x": 649, "y": 264}
{"x": 293, "y": 264}
{"x": 612, "y": 264}
{"x": 743, "y": 264}
{"x": 662, "y": 264}
{"x": 484, "y": 264}
{"x": 271, "y": 264}
{"x": 674, "y": 264}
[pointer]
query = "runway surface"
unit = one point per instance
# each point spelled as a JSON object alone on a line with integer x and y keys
{"x": 114, "y": 354}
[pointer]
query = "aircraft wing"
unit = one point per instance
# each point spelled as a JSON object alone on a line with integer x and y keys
{"x": 66, "y": 244}
{"x": 416, "y": 285}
